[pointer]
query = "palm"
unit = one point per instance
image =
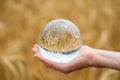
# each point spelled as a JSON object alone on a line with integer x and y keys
{"x": 84, "y": 59}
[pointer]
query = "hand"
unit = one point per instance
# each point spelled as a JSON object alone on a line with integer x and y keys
{"x": 84, "y": 59}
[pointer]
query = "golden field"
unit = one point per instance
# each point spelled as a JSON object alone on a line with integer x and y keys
{"x": 22, "y": 20}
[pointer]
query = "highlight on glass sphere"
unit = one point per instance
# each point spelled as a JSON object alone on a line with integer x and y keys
{"x": 60, "y": 36}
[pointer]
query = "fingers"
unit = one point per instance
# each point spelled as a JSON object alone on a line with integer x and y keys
{"x": 38, "y": 55}
{"x": 37, "y": 52}
{"x": 35, "y": 49}
{"x": 57, "y": 66}
{"x": 50, "y": 64}
{"x": 36, "y": 45}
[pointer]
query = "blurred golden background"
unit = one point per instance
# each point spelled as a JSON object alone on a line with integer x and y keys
{"x": 22, "y": 20}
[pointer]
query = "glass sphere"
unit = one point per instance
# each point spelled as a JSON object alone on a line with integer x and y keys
{"x": 60, "y": 35}
{"x": 60, "y": 41}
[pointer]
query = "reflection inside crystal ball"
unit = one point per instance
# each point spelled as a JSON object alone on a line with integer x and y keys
{"x": 60, "y": 37}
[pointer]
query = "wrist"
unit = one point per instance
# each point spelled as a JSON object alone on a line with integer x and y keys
{"x": 100, "y": 58}
{"x": 94, "y": 58}
{"x": 91, "y": 56}
{"x": 107, "y": 59}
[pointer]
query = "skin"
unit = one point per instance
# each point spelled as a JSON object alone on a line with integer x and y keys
{"x": 88, "y": 57}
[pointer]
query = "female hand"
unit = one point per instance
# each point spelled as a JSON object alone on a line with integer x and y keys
{"x": 84, "y": 59}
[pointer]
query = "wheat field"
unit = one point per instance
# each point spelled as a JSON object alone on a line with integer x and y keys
{"x": 22, "y": 20}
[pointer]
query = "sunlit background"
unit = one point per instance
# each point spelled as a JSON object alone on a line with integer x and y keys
{"x": 22, "y": 20}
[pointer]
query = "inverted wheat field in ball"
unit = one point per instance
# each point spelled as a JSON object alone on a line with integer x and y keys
{"x": 22, "y": 20}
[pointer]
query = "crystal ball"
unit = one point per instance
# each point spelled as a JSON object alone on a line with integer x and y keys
{"x": 60, "y": 36}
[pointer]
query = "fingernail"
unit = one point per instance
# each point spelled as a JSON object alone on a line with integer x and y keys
{"x": 32, "y": 49}
{"x": 35, "y": 55}
{"x": 35, "y": 45}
